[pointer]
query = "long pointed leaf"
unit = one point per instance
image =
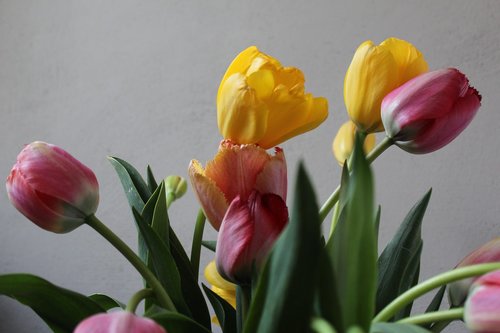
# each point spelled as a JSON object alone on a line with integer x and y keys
{"x": 223, "y": 310}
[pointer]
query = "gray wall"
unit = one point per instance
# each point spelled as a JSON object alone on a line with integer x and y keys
{"x": 138, "y": 79}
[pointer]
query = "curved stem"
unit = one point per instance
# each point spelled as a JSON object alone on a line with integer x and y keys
{"x": 137, "y": 298}
{"x": 196, "y": 245}
{"x": 130, "y": 255}
{"x": 334, "y": 197}
{"x": 431, "y": 317}
{"x": 437, "y": 281}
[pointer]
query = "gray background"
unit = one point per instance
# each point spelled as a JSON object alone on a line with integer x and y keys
{"x": 138, "y": 80}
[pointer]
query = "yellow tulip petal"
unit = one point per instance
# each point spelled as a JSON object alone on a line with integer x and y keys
{"x": 343, "y": 144}
{"x": 241, "y": 116}
{"x": 240, "y": 64}
{"x": 262, "y": 82}
{"x": 209, "y": 195}
{"x": 215, "y": 279}
{"x": 373, "y": 73}
{"x": 410, "y": 60}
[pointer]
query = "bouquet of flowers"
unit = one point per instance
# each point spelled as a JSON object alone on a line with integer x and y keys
{"x": 274, "y": 269}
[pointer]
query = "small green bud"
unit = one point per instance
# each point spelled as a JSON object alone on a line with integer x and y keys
{"x": 175, "y": 186}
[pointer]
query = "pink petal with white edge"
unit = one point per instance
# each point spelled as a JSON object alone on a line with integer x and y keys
{"x": 235, "y": 169}
{"x": 273, "y": 178}
{"x": 118, "y": 322}
{"x": 211, "y": 198}
{"x": 482, "y": 310}
{"x": 233, "y": 243}
{"x": 443, "y": 130}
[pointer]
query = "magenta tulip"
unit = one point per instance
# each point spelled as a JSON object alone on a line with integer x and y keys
{"x": 118, "y": 322}
{"x": 247, "y": 233}
{"x": 51, "y": 188}
{"x": 482, "y": 309}
{"x": 489, "y": 252}
{"x": 429, "y": 111}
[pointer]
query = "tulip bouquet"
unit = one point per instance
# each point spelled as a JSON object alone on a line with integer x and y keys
{"x": 274, "y": 270}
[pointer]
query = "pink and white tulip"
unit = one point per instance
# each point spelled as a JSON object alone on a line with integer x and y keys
{"x": 52, "y": 188}
{"x": 236, "y": 172}
{"x": 429, "y": 111}
{"x": 118, "y": 322}
{"x": 482, "y": 309}
{"x": 247, "y": 234}
{"x": 489, "y": 252}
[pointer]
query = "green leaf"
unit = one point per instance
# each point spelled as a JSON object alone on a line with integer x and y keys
{"x": 435, "y": 303}
{"x": 177, "y": 323}
{"x": 399, "y": 263}
{"x": 152, "y": 184}
{"x": 136, "y": 189}
{"x": 223, "y": 310}
{"x": 327, "y": 297}
{"x": 353, "y": 248}
{"x": 211, "y": 245}
{"x": 60, "y": 308}
{"x": 283, "y": 301}
{"x": 106, "y": 302}
{"x": 160, "y": 221}
{"x": 163, "y": 263}
{"x": 397, "y": 328}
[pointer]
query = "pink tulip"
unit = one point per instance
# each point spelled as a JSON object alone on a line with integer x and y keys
{"x": 247, "y": 233}
{"x": 118, "y": 322}
{"x": 51, "y": 188}
{"x": 489, "y": 252}
{"x": 236, "y": 172}
{"x": 482, "y": 309}
{"x": 429, "y": 111}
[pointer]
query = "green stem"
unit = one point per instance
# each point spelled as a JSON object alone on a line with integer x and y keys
{"x": 437, "y": 281}
{"x": 243, "y": 298}
{"x": 432, "y": 317}
{"x": 130, "y": 255}
{"x": 334, "y": 197}
{"x": 196, "y": 246}
{"x": 137, "y": 298}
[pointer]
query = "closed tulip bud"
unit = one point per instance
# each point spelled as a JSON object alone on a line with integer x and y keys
{"x": 118, "y": 322}
{"x": 429, "y": 111}
{"x": 247, "y": 233}
{"x": 489, "y": 252}
{"x": 176, "y": 186}
{"x": 343, "y": 144}
{"x": 375, "y": 71}
{"x": 52, "y": 188}
{"x": 261, "y": 102}
{"x": 482, "y": 309}
{"x": 236, "y": 171}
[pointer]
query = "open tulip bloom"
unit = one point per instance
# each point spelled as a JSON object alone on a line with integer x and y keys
{"x": 273, "y": 268}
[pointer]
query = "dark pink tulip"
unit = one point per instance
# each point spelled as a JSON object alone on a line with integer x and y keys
{"x": 52, "y": 188}
{"x": 118, "y": 322}
{"x": 482, "y": 309}
{"x": 247, "y": 233}
{"x": 489, "y": 252}
{"x": 429, "y": 111}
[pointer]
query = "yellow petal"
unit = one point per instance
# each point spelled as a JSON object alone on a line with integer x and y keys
{"x": 212, "y": 200}
{"x": 372, "y": 74}
{"x": 410, "y": 60}
{"x": 241, "y": 116}
{"x": 343, "y": 144}
{"x": 222, "y": 287}
{"x": 262, "y": 82}
{"x": 240, "y": 64}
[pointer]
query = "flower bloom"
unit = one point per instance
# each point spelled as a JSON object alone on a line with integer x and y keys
{"x": 261, "y": 102}
{"x": 247, "y": 233}
{"x": 482, "y": 309}
{"x": 52, "y": 188}
{"x": 375, "y": 71}
{"x": 118, "y": 322}
{"x": 220, "y": 286}
{"x": 489, "y": 252}
{"x": 343, "y": 144}
{"x": 429, "y": 111}
{"x": 236, "y": 171}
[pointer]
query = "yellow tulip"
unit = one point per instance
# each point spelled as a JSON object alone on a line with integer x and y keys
{"x": 374, "y": 72}
{"x": 343, "y": 144}
{"x": 220, "y": 286}
{"x": 261, "y": 102}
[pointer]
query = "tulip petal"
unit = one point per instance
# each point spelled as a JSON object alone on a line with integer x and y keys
{"x": 273, "y": 178}
{"x": 241, "y": 116}
{"x": 482, "y": 309}
{"x": 240, "y": 64}
{"x": 118, "y": 322}
{"x": 410, "y": 60}
{"x": 209, "y": 195}
{"x": 234, "y": 240}
{"x": 235, "y": 169}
